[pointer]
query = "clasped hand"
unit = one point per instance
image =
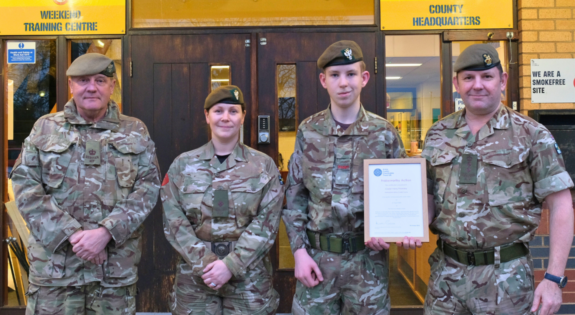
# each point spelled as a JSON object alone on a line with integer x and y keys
{"x": 91, "y": 245}
{"x": 216, "y": 273}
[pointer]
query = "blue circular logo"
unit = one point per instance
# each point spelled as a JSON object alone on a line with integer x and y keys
{"x": 377, "y": 172}
{"x": 21, "y": 45}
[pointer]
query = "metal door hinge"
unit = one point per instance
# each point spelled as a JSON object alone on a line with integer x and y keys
{"x": 131, "y": 69}
{"x": 248, "y": 42}
{"x": 375, "y": 65}
{"x": 263, "y": 41}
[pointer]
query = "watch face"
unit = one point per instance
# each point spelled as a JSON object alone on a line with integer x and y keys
{"x": 563, "y": 282}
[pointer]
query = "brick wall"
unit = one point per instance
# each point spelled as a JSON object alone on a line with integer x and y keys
{"x": 547, "y": 30}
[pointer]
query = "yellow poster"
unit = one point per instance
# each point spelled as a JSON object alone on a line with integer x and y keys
{"x": 62, "y": 17}
{"x": 445, "y": 14}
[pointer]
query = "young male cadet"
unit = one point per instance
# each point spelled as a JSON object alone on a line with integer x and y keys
{"x": 85, "y": 181}
{"x": 489, "y": 169}
{"x": 324, "y": 215}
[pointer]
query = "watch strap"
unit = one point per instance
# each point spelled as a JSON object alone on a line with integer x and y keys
{"x": 561, "y": 281}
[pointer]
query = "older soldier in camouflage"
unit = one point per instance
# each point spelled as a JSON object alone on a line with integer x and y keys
{"x": 324, "y": 213}
{"x": 85, "y": 181}
{"x": 222, "y": 205}
{"x": 489, "y": 169}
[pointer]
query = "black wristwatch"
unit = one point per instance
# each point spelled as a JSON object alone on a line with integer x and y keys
{"x": 561, "y": 281}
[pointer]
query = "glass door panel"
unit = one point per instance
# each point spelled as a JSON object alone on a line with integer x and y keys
{"x": 413, "y": 79}
{"x": 29, "y": 93}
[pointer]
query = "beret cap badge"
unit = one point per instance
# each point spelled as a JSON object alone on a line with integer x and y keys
{"x": 236, "y": 94}
{"x": 487, "y": 59}
{"x": 348, "y": 53}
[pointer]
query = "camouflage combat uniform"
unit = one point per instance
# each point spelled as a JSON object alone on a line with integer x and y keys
{"x": 518, "y": 165}
{"x": 325, "y": 194}
{"x": 255, "y": 195}
{"x": 58, "y": 195}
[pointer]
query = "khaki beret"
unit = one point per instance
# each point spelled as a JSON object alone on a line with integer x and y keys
{"x": 477, "y": 57}
{"x": 90, "y": 64}
{"x": 227, "y": 94}
{"x": 344, "y": 52}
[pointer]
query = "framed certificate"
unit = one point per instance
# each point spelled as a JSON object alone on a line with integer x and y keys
{"x": 395, "y": 199}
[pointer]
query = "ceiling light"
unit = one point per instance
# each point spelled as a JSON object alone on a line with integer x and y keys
{"x": 402, "y": 64}
{"x": 220, "y": 80}
{"x": 220, "y": 67}
{"x": 393, "y": 78}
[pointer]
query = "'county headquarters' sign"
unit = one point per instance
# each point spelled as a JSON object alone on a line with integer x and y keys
{"x": 445, "y": 14}
{"x": 55, "y": 17}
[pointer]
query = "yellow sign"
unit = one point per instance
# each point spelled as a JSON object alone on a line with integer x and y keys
{"x": 62, "y": 17}
{"x": 445, "y": 14}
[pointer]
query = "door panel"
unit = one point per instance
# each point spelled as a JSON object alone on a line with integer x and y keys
{"x": 301, "y": 50}
{"x": 171, "y": 79}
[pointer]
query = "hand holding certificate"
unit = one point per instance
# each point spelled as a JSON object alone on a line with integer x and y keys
{"x": 395, "y": 199}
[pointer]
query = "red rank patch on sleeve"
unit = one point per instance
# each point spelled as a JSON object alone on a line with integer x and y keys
{"x": 166, "y": 180}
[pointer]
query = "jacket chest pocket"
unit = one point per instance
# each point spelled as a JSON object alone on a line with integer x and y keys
{"x": 124, "y": 158}
{"x": 507, "y": 175}
{"x": 246, "y": 197}
{"x": 192, "y": 190}
{"x": 55, "y": 161}
{"x": 442, "y": 163}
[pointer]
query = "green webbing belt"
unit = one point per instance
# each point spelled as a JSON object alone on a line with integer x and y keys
{"x": 337, "y": 243}
{"x": 487, "y": 257}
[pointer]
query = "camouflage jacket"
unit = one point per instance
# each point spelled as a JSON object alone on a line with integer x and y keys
{"x": 58, "y": 194}
{"x": 255, "y": 197}
{"x": 518, "y": 165}
{"x": 325, "y": 181}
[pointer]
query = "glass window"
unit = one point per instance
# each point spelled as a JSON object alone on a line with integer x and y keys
{"x": 195, "y": 13}
{"x": 109, "y": 47}
{"x": 287, "y": 113}
{"x": 30, "y": 93}
{"x": 413, "y": 79}
{"x": 458, "y": 47}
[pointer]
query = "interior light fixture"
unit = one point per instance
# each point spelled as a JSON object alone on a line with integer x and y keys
{"x": 99, "y": 43}
{"x": 220, "y": 67}
{"x": 42, "y": 93}
{"x": 393, "y": 78}
{"x": 403, "y": 64}
{"x": 220, "y": 80}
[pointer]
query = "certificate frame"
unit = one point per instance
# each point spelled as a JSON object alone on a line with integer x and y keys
{"x": 420, "y": 179}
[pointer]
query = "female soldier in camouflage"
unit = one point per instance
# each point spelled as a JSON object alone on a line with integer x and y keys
{"x": 222, "y": 205}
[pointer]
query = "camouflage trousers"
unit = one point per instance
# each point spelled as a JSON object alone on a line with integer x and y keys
{"x": 87, "y": 299}
{"x": 352, "y": 284}
{"x": 254, "y": 295}
{"x": 456, "y": 288}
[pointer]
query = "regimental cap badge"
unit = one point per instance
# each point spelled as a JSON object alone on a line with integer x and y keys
{"x": 487, "y": 60}
{"x": 237, "y": 95}
{"x": 348, "y": 53}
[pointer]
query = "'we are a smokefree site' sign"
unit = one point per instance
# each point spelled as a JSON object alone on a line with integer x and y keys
{"x": 62, "y": 17}
{"x": 552, "y": 80}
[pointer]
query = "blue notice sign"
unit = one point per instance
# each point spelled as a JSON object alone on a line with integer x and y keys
{"x": 21, "y": 52}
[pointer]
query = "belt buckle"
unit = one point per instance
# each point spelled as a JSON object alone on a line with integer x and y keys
{"x": 345, "y": 245}
{"x": 345, "y": 242}
{"x": 471, "y": 258}
{"x": 221, "y": 249}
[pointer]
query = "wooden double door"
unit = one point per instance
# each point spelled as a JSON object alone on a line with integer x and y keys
{"x": 171, "y": 77}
